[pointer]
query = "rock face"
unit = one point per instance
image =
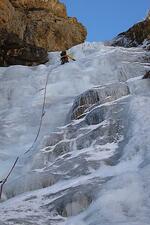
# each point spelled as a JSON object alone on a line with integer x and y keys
{"x": 135, "y": 36}
{"x": 14, "y": 51}
{"x": 42, "y": 23}
{"x": 95, "y": 96}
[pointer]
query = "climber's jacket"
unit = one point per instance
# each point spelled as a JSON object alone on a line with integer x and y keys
{"x": 146, "y": 75}
{"x": 65, "y": 57}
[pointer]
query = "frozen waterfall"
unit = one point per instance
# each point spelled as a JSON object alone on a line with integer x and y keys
{"x": 91, "y": 162}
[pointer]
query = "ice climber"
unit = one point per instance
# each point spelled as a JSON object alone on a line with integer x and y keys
{"x": 147, "y": 75}
{"x": 65, "y": 57}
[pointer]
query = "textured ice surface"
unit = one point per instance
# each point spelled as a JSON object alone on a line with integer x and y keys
{"x": 91, "y": 171}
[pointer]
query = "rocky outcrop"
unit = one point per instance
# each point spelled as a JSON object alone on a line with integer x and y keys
{"x": 14, "y": 51}
{"x": 135, "y": 36}
{"x": 96, "y": 96}
{"x": 42, "y": 23}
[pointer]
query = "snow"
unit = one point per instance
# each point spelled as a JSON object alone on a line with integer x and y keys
{"x": 114, "y": 172}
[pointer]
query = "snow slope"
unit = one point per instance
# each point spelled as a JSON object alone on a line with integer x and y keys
{"x": 92, "y": 171}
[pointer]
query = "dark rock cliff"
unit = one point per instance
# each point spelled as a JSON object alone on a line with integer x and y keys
{"x": 135, "y": 36}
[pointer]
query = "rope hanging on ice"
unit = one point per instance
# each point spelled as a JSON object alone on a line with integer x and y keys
{"x": 2, "y": 182}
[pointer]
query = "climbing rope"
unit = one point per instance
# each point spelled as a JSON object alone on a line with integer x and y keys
{"x": 2, "y": 182}
{"x": 42, "y": 114}
{"x": 6, "y": 178}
